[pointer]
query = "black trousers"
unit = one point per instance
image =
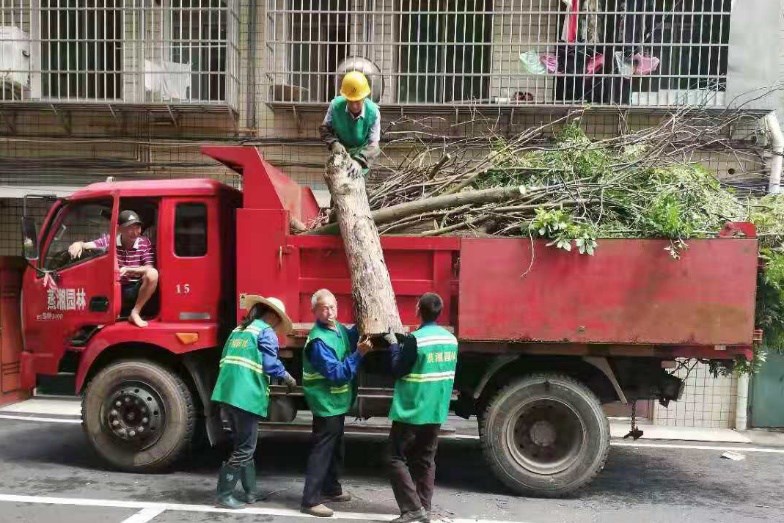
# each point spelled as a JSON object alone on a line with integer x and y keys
{"x": 325, "y": 462}
{"x": 244, "y": 434}
{"x": 411, "y": 458}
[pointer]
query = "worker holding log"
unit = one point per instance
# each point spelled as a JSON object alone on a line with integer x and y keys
{"x": 352, "y": 124}
{"x": 425, "y": 374}
{"x": 330, "y": 363}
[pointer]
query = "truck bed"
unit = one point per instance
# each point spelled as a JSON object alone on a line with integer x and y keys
{"x": 513, "y": 291}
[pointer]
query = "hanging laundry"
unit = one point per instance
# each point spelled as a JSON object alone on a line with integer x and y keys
{"x": 532, "y": 62}
{"x": 569, "y": 31}
{"x": 550, "y": 62}
{"x": 594, "y": 64}
{"x": 644, "y": 64}
{"x": 591, "y": 24}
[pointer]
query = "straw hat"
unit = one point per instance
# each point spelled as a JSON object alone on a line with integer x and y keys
{"x": 247, "y": 302}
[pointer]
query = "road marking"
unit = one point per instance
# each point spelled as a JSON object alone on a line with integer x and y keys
{"x": 149, "y": 510}
{"x": 738, "y": 448}
{"x": 36, "y": 418}
{"x": 144, "y": 515}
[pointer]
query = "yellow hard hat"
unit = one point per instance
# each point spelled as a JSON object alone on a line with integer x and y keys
{"x": 355, "y": 86}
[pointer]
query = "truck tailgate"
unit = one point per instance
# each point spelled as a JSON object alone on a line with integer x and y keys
{"x": 629, "y": 292}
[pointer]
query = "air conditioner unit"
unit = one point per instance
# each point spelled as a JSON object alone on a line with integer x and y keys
{"x": 167, "y": 81}
{"x": 14, "y": 56}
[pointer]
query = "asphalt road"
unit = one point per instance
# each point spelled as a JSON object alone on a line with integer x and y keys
{"x": 48, "y": 474}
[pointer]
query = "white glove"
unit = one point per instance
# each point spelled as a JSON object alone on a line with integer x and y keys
{"x": 354, "y": 169}
{"x": 337, "y": 148}
{"x": 390, "y": 338}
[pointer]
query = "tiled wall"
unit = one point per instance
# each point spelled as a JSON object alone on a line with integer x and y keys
{"x": 707, "y": 402}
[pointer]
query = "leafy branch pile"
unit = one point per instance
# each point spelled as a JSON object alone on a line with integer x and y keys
{"x": 572, "y": 192}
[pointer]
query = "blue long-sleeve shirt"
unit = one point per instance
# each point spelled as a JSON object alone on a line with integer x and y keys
{"x": 326, "y": 362}
{"x": 268, "y": 346}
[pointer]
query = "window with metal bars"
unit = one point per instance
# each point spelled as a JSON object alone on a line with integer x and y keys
{"x": 319, "y": 33}
{"x": 81, "y": 49}
{"x": 444, "y": 53}
{"x": 197, "y": 32}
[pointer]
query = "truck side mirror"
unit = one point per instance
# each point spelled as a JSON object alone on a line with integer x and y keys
{"x": 30, "y": 236}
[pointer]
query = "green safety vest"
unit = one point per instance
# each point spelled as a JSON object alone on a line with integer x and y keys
{"x": 241, "y": 380}
{"x": 324, "y": 398}
{"x": 353, "y": 134}
{"x": 422, "y": 397}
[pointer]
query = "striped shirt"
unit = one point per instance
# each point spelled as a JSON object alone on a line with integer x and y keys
{"x": 141, "y": 253}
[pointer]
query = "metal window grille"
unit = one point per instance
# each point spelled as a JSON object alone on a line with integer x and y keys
{"x": 648, "y": 53}
{"x": 120, "y": 51}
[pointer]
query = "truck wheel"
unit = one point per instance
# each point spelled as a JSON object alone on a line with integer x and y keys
{"x": 138, "y": 415}
{"x": 545, "y": 435}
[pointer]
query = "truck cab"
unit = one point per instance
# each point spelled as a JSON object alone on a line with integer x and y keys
{"x": 72, "y": 307}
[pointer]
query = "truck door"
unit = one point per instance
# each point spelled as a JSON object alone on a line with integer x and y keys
{"x": 79, "y": 293}
{"x": 189, "y": 261}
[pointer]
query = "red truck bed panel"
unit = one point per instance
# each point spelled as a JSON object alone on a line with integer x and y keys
{"x": 631, "y": 291}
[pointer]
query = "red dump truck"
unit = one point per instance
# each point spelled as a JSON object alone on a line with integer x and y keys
{"x": 546, "y": 336}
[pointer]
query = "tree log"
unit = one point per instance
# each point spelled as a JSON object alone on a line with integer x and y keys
{"x": 375, "y": 306}
{"x": 398, "y": 212}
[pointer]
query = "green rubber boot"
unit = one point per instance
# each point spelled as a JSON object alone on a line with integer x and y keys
{"x": 248, "y": 479}
{"x": 227, "y": 480}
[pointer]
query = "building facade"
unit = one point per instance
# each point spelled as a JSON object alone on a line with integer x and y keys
{"x": 132, "y": 88}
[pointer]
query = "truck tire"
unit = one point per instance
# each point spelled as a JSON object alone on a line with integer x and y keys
{"x": 545, "y": 435}
{"x": 138, "y": 415}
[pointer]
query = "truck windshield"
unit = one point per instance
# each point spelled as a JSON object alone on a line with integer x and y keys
{"x": 77, "y": 222}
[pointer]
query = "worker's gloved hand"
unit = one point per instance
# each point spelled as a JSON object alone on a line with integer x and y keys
{"x": 364, "y": 346}
{"x": 337, "y": 148}
{"x": 354, "y": 169}
{"x": 390, "y": 338}
{"x": 289, "y": 382}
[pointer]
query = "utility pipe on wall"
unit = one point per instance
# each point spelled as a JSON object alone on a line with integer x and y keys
{"x": 777, "y": 145}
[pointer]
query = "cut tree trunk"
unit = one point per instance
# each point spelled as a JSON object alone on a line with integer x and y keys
{"x": 375, "y": 306}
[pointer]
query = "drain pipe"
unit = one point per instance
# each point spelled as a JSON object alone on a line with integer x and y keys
{"x": 742, "y": 403}
{"x": 777, "y": 145}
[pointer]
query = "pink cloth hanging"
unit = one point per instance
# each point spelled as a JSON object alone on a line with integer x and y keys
{"x": 569, "y": 33}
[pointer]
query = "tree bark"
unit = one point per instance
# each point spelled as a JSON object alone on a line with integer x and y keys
{"x": 375, "y": 305}
{"x": 403, "y": 210}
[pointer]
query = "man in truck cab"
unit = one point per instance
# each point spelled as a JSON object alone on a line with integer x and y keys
{"x": 136, "y": 259}
{"x": 425, "y": 374}
{"x": 352, "y": 124}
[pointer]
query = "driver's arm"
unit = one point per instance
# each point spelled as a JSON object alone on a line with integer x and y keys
{"x": 76, "y": 248}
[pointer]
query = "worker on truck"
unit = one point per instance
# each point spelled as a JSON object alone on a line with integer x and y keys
{"x": 249, "y": 360}
{"x": 352, "y": 124}
{"x": 330, "y": 363}
{"x": 136, "y": 259}
{"x": 425, "y": 374}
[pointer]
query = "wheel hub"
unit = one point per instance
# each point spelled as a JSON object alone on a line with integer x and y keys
{"x": 543, "y": 433}
{"x": 134, "y": 414}
{"x": 545, "y": 436}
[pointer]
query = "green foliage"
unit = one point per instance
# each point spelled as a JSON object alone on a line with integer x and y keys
{"x": 770, "y": 299}
{"x": 558, "y": 225}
